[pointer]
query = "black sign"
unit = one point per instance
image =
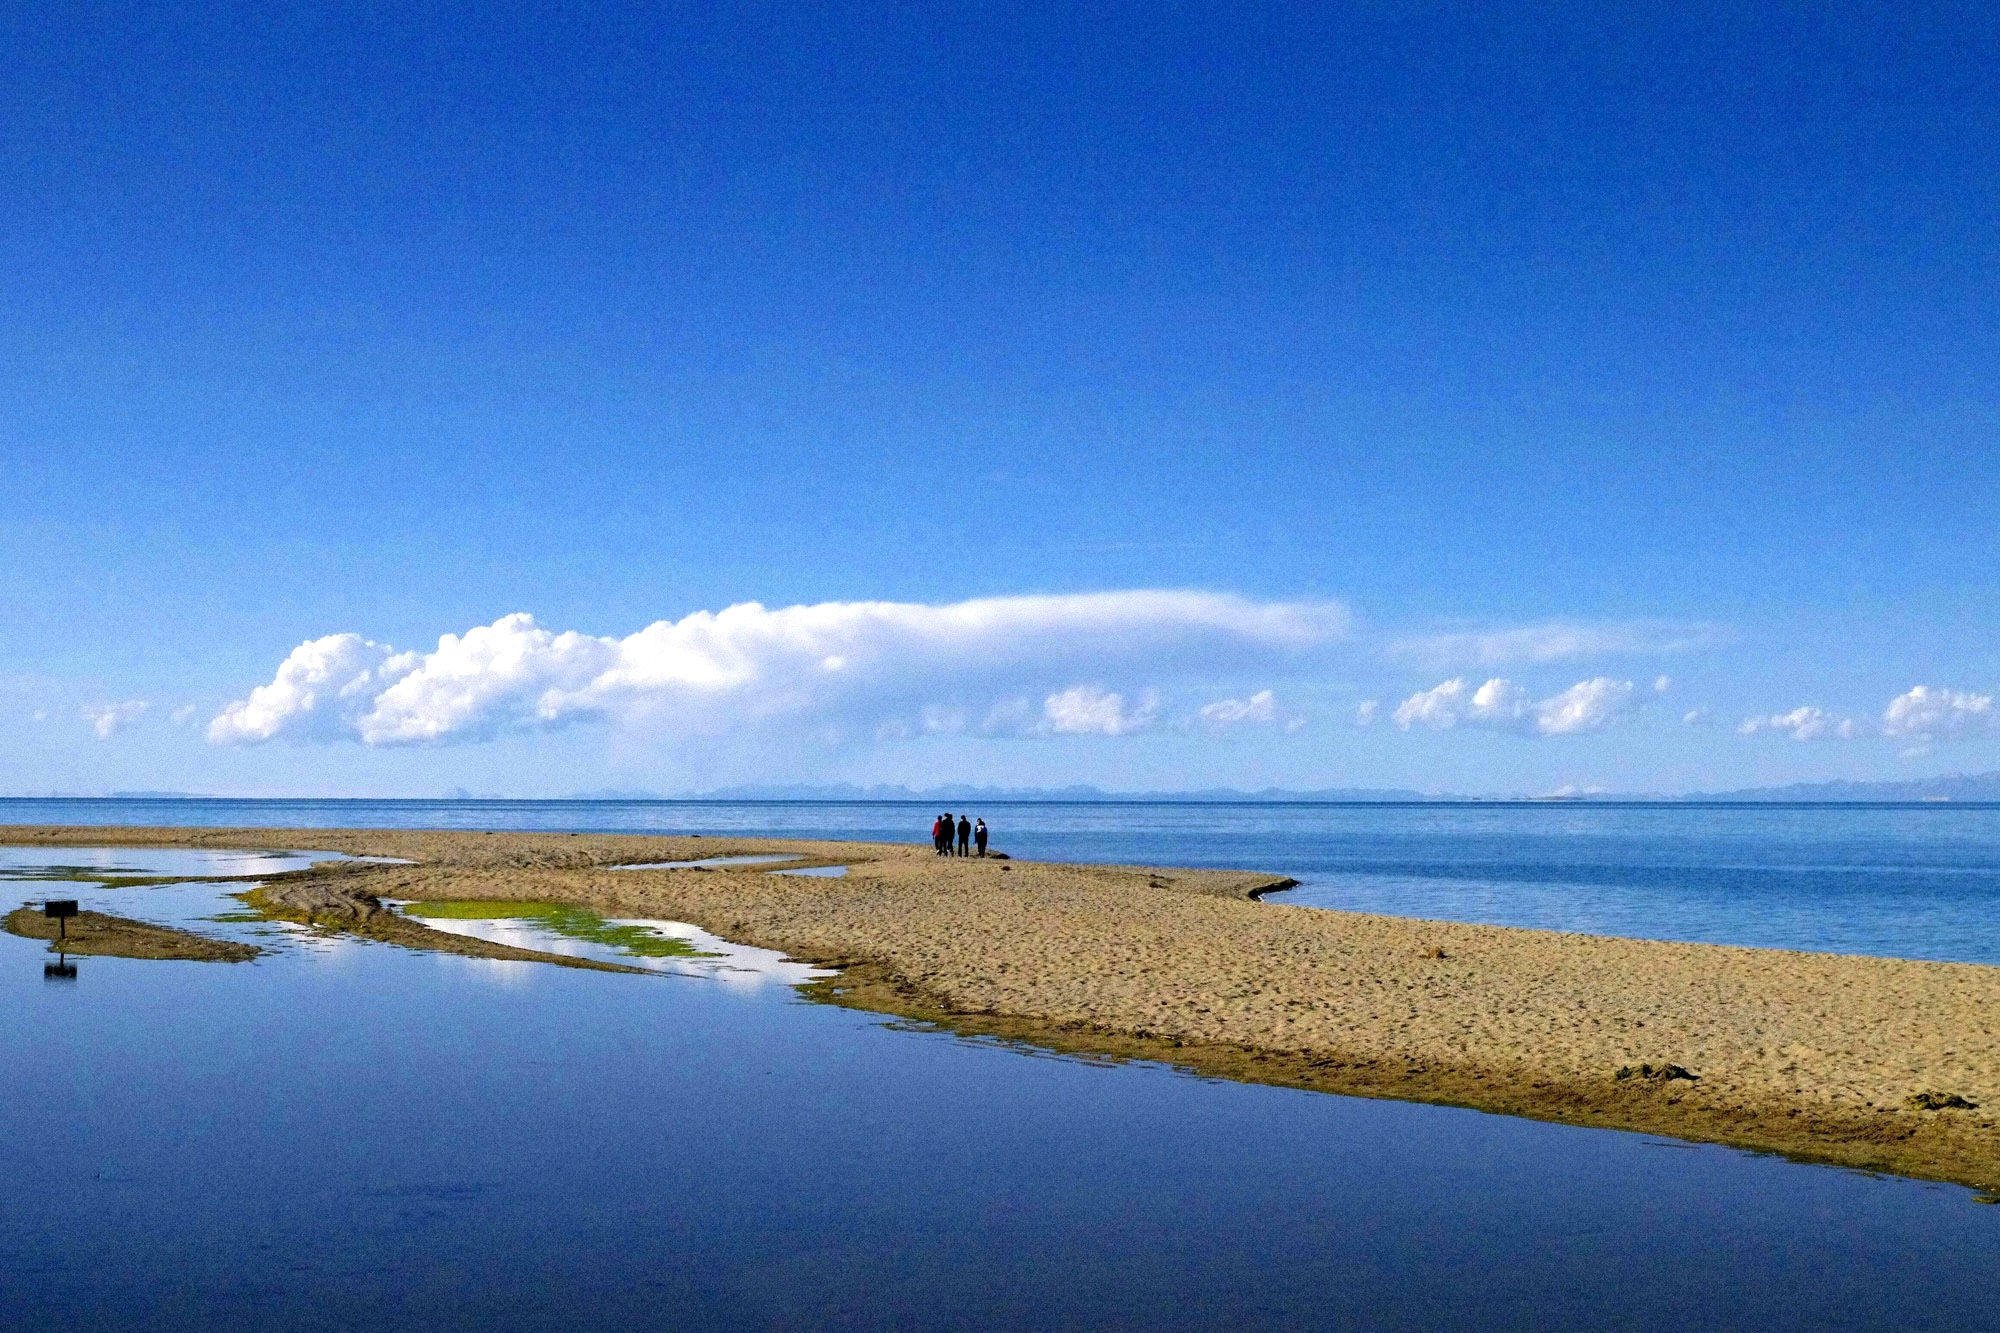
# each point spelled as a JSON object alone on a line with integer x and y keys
{"x": 59, "y": 907}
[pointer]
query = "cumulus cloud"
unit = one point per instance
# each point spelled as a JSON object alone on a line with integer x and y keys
{"x": 1261, "y": 707}
{"x": 1444, "y": 706}
{"x": 324, "y": 687}
{"x": 1500, "y": 704}
{"x": 1588, "y": 705}
{"x": 1089, "y": 710}
{"x": 1802, "y": 724}
{"x": 1937, "y": 714}
{"x": 747, "y": 663}
{"x": 1366, "y": 712}
{"x": 107, "y": 720}
{"x": 1554, "y": 641}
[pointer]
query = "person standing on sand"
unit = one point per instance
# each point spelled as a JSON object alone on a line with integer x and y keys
{"x": 945, "y": 831}
{"x": 937, "y": 835}
{"x": 979, "y": 834}
{"x": 964, "y": 836}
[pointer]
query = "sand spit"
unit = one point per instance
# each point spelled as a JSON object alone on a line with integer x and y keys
{"x": 1865, "y": 1062}
{"x": 338, "y": 898}
{"x": 93, "y": 934}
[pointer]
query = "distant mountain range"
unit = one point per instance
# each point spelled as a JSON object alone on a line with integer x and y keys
{"x": 1954, "y": 787}
{"x": 967, "y": 792}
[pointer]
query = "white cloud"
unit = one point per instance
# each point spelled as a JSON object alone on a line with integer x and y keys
{"x": 713, "y": 670}
{"x": 185, "y": 714}
{"x": 1499, "y": 704}
{"x": 107, "y": 720}
{"x": 1261, "y": 707}
{"x": 1588, "y": 705}
{"x": 1088, "y": 710}
{"x": 1444, "y": 706}
{"x": 1937, "y": 714}
{"x": 1662, "y": 683}
{"x": 1366, "y": 712}
{"x": 1697, "y": 717}
{"x": 1437, "y": 708}
{"x": 1802, "y": 724}
{"x": 324, "y": 687}
{"x": 1554, "y": 641}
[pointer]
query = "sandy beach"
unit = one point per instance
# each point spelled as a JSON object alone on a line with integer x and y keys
{"x": 1875, "y": 1063}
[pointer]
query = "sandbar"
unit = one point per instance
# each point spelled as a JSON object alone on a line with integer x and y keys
{"x": 98, "y": 934}
{"x": 1874, "y": 1063}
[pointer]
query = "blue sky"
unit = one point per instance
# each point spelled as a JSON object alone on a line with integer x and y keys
{"x": 1554, "y": 347}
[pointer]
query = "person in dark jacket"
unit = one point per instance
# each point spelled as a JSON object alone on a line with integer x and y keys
{"x": 964, "y": 836}
{"x": 979, "y": 835}
{"x": 944, "y": 846}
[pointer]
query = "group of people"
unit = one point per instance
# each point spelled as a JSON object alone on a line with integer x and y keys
{"x": 962, "y": 835}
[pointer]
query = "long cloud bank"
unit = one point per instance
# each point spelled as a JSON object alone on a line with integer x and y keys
{"x": 1555, "y": 641}
{"x": 747, "y": 663}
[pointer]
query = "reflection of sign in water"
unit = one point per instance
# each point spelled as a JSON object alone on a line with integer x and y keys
{"x": 62, "y": 909}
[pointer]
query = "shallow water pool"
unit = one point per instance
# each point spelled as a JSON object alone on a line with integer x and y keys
{"x": 709, "y": 863}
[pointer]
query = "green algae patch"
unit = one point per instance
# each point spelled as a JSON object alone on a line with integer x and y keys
{"x": 314, "y": 901}
{"x": 571, "y": 922}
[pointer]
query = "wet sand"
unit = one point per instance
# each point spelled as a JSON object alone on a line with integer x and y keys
{"x": 344, "y": 902}
{"x": 1866, "y": 1062}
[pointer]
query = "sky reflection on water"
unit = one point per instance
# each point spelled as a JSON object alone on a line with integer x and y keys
{"x": 725, "y": 961}
{"x": 707, "y": 863}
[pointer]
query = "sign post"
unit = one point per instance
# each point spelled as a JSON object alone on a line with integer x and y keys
{"x": 62, "y": 909}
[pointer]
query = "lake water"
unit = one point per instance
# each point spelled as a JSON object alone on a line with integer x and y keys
{"x": 1910, "y": 881}
{"x": 344, "y": 1134}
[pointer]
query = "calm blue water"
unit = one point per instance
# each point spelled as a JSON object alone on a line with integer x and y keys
{"x": 351, "y": 1135}
{"x": 1899, "y": 881}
